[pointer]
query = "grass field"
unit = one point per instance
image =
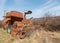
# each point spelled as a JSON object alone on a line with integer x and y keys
{"x": 46, "y": 32}
{"x": 38, "y": 36}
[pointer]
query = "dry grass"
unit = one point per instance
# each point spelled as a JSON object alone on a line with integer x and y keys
{"x": 38, "y": 36}
{"x": 50, "y": 23}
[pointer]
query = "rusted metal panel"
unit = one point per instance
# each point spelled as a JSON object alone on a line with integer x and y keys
{"x": 14, "y": 14}
{"x": 18, "y": 23}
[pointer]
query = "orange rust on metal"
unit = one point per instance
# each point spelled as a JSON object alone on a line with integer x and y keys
{"x": 25, "y": 21}
{"x": 5, "y": 22}
{"x": 16, "y": 31}
{"x": 18, "y": 22}
{"x": 14, "y": 14}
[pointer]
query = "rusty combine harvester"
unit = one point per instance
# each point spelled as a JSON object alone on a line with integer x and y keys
{"x": 16, "y": 23}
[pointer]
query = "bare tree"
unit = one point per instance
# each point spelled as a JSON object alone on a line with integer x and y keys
{"x": 47, "y": 16}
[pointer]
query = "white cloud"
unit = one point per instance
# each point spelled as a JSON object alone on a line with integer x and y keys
{"x": 41, "y": 11}
{"x": 50, "y": 6}
{"x": 47, "y": 3}
{"x": 55, "y": 8}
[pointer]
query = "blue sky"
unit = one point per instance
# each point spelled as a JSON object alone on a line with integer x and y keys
{"x": 38, "y": 7}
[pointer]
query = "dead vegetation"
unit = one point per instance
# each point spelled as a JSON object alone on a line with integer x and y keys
{"x": 46, "y": 31}
{"x": 51, "y": 24}
{"x": 38, "y": 36}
